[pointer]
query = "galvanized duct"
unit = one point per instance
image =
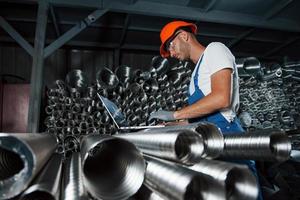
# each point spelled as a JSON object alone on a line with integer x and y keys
{"x": 59, "y": 84}
{"x": 134, "y": 89}
{"x": 272, "y": 75}
{"x": 76, "y": 81}
{"x": 182, "y": 146}
{"x": 22, "y": 157}
{"x": 72, "y": 187}
{"x": 145, "y": 193}
{"x": 106, "y": 79}
{"x": 91, "y": 91}
{"x": 47, "y": 183}
{"x": 71, "y": 143}
{"x": 173, "y": 181}
{"x": 125, "y": 74}
{"x": 252, "y": 65}
{"x": 271, "y": 146}
{"x": 160, "y": 64}
{"x": 150, "y": 86}
{"x": 113, "y": 168}
{"x": 237, "y": 180}
{"x": 212, "y": 138}
{"x": 175, "y": 78}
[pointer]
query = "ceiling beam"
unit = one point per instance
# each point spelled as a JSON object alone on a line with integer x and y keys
{"x": 78, "y": 3}
{"x": 240, "y": 38}
{"x": 216, "y": 16}
{"x": 277, "y": 8}
{"x": 16, "y": 36}
{"x": 125, "y": 28}
{"x": 285, "y": 44}
{"x": 151, "y": 8}
{"x": 73, "y": 32}
{"x": 54, "y": 20}
{"x": 146, "y": 29}
{"x": 101, "y": 45}
{"x": 210, "y": 5}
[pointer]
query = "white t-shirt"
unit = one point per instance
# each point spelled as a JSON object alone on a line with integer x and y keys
{"x": 217, "y": 56}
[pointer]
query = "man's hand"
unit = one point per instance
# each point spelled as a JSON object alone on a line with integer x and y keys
{"x": 163, "y": 115}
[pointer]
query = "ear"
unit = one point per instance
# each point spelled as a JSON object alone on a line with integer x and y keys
{"x": 185, "y": 35}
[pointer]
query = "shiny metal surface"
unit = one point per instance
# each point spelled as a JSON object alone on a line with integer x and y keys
{"x": 113, "y": 168}
{"x": 212, "y": 138}
{"x": 72, "y": 185}
{"x": 124, "y": 73}
{"x": 150, "y": 86}
{"x": 173, "y": 181}
{"x": 183, "y": 146}
{"x": 22, "y": 157}
{"x": 237, "y": 180}
{"x": 48, "y": 182}
{"x": 145, "y": 193}
{"x": 106, "y": 79}
{"x": 77, "y": 80}
{"x": 271, "y": 146}
{"x": 161, "y": 65}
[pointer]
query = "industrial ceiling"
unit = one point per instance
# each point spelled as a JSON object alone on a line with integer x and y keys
{"x": 267, "y": 29}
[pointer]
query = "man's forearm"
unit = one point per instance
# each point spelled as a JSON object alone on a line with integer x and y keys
{"x": 209, "y": 104}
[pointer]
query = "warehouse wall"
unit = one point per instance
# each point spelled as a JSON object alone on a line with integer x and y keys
{"x": 16, "y": 61}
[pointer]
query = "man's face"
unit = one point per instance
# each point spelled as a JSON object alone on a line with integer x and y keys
{"x": 177, "y": 47}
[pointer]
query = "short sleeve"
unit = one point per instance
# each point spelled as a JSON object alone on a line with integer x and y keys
{"x": 218, "y": 57}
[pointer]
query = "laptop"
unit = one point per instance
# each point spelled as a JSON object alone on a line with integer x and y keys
{"x": 118, "y": 117}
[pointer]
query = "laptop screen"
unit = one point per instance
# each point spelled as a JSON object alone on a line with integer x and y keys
{"x": 114, "y": 111}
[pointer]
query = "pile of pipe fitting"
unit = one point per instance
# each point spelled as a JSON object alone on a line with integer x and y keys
{"x": 177, "y": 162}
{"x": 83, "y": 156}
{"x": 74, "y": 109}
{"x": 269, "y": 95}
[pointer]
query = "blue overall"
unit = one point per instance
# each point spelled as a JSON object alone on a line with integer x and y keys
{"x": 218, "y": 119}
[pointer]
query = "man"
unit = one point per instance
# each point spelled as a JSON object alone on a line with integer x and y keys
{"x": 213, "y": 90}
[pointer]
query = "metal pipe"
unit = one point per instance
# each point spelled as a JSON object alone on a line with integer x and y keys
{"x": 106, "y": 79}
{"x": 91, "y": 91}
{"x": 212, "y": 137}
{"x": 161, "y": 65}
{"x": 173, "y": 181}
{"x": 113, "y": 168}
{"x": 236, "y": 180}
{"x": 150, "y": 86}
{"x": 71, "y": 143}
{"x": 47, "y": 185}
{"x": 72, "y": 186}
{"x": 22, "y": 157}
{"x": 76, "y": 108}
{"x": 49, "y": 110}
{"x": 174, "y": 77}
{"x": 77, "y": 80}
{"x": 145, "y": 193}
{"x": 272, "y": 146}
{"x": 182, "y": 146}
{"x": 124, "y": 73}
{"x": 60, "y": 84}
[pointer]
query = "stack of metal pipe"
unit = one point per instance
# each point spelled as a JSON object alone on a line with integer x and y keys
{"x": 95, "y": 161}
{"x": 269, "y": 95}
{"x": 177, "y": 162}
{"x": 74, "y": 109}
{"x": 180, "y": 161}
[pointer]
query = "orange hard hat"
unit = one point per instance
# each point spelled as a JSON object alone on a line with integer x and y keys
{"x": 169, "y": 29}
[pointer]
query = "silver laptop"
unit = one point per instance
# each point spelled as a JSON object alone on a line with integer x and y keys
{"x": 118, "y": 117}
